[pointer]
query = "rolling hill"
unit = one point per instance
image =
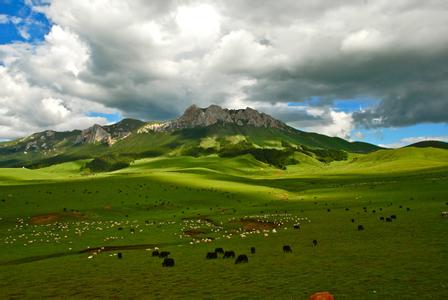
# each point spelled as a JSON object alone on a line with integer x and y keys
{"x": 433, "y": 144}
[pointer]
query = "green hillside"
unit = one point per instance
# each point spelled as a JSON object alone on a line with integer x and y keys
{"x": 58, "y": 218}
{"x": 433, "y": 144}
{"x": 190, "y": 141}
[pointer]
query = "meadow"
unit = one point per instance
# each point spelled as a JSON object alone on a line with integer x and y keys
{"x": 61, "y": 230}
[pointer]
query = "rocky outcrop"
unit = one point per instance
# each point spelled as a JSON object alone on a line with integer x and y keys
{"x": 201, "y": 117}
{"x": 108, "y": 134}
{"x": 94, "y": 135}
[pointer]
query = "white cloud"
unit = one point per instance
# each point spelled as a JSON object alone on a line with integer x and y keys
{"x": 151, "y": 59}
{"x": 4, "y": 19}
{"x": 363, "y": 40}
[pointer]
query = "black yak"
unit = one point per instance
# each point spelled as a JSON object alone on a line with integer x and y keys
{"x": 287, "y": 249}
{"x": 242, "y": 258}
{"x": 229, "y": 254}
{"x": 168, "y": 262}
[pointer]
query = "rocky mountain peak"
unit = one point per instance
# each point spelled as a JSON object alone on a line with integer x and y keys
{"x": 94, "y": 134}
{"x": 214, "y": 114}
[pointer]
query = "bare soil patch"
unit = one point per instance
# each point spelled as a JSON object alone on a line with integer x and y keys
{"x": 251, "y": 224}
{"x": 194, "y": 232}
{"x": 53, "y": 217}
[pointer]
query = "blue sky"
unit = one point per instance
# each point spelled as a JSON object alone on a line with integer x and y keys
{"x": 128, "y": 83}
{"x": 23, "y": 24}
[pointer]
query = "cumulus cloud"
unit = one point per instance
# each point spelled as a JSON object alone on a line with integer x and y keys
{"x": 152, "y": 59}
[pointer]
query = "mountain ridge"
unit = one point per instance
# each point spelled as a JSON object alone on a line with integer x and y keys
{"x": 197, "y": 131}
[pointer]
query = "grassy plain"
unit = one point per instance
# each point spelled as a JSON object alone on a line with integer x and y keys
{"x": 48, "y": 216}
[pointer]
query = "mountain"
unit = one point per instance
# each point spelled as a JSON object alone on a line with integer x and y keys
{"x": 194, "y": 117}
{"x": 198, "y": 131}
{"x": 433, "y": 144}
{"x": 108, "y": 134}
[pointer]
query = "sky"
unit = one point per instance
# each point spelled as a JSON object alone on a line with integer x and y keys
{"x": 364, "y": 70}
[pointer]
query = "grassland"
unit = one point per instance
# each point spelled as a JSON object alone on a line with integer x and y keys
{"x": 50, "y": 215}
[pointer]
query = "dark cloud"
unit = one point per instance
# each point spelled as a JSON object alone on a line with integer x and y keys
{"x": 152, "y": 59}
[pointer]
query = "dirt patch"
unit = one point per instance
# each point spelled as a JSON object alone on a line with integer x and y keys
{"x": 45, "y": 219}
{"x": 194, "y": 232}
{"x": 250, "y": 225}
{"x": 54, "y": 217}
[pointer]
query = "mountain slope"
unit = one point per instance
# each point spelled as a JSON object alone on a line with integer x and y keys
{"x": 433, "y": 144}
{"x": 198, "y": 131}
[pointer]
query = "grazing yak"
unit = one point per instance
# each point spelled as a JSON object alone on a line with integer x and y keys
{"x": 388, "y": 220}
{"x": 119, "y": 255}
{"x": 212, "y": 255}
{"x": 164, "y": 254}
{"x": 360, "y": 227}
{"x": 287, "y": 249}
{"x": 252, "y": 250}
{"x": 219, "y": 250}
{"x": 168, "y": 262}
{"x": 382, "y": 218}
{"x": 155, "y": 253}
{"x": 444, "y": 214}
{"x": 242, "y": 258}
{"x": 229, "y": 254}
{"x": 296, "y": 226}
{"x": 393, "y": 217}
{"x": 314, "y": 243}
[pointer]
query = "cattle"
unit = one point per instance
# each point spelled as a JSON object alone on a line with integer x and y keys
{"x": 242, "y": 258}
{"x": 382, "y": 218}
{"x": 360, "y": 227}
{"x": 287, "y": 249}
{"x": 314, "y": 243}
{"x": 219, "y": 250}
{"x": 168, "y": 262}
{"x": 119, "y": 255}
{"x": 393, "y": 217}
{"x": 164, "y": 254}
{"x": 252, "y": 250}
{"x": 211, "y": 255}
{"x": 388, "y": 220}
{"x": 296, "y": 226}
{"x": 229, "y": 254}
{"x": 155, "y": 253}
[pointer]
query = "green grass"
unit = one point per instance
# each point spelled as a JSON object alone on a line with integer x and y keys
{"x": 407, "y": 258}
